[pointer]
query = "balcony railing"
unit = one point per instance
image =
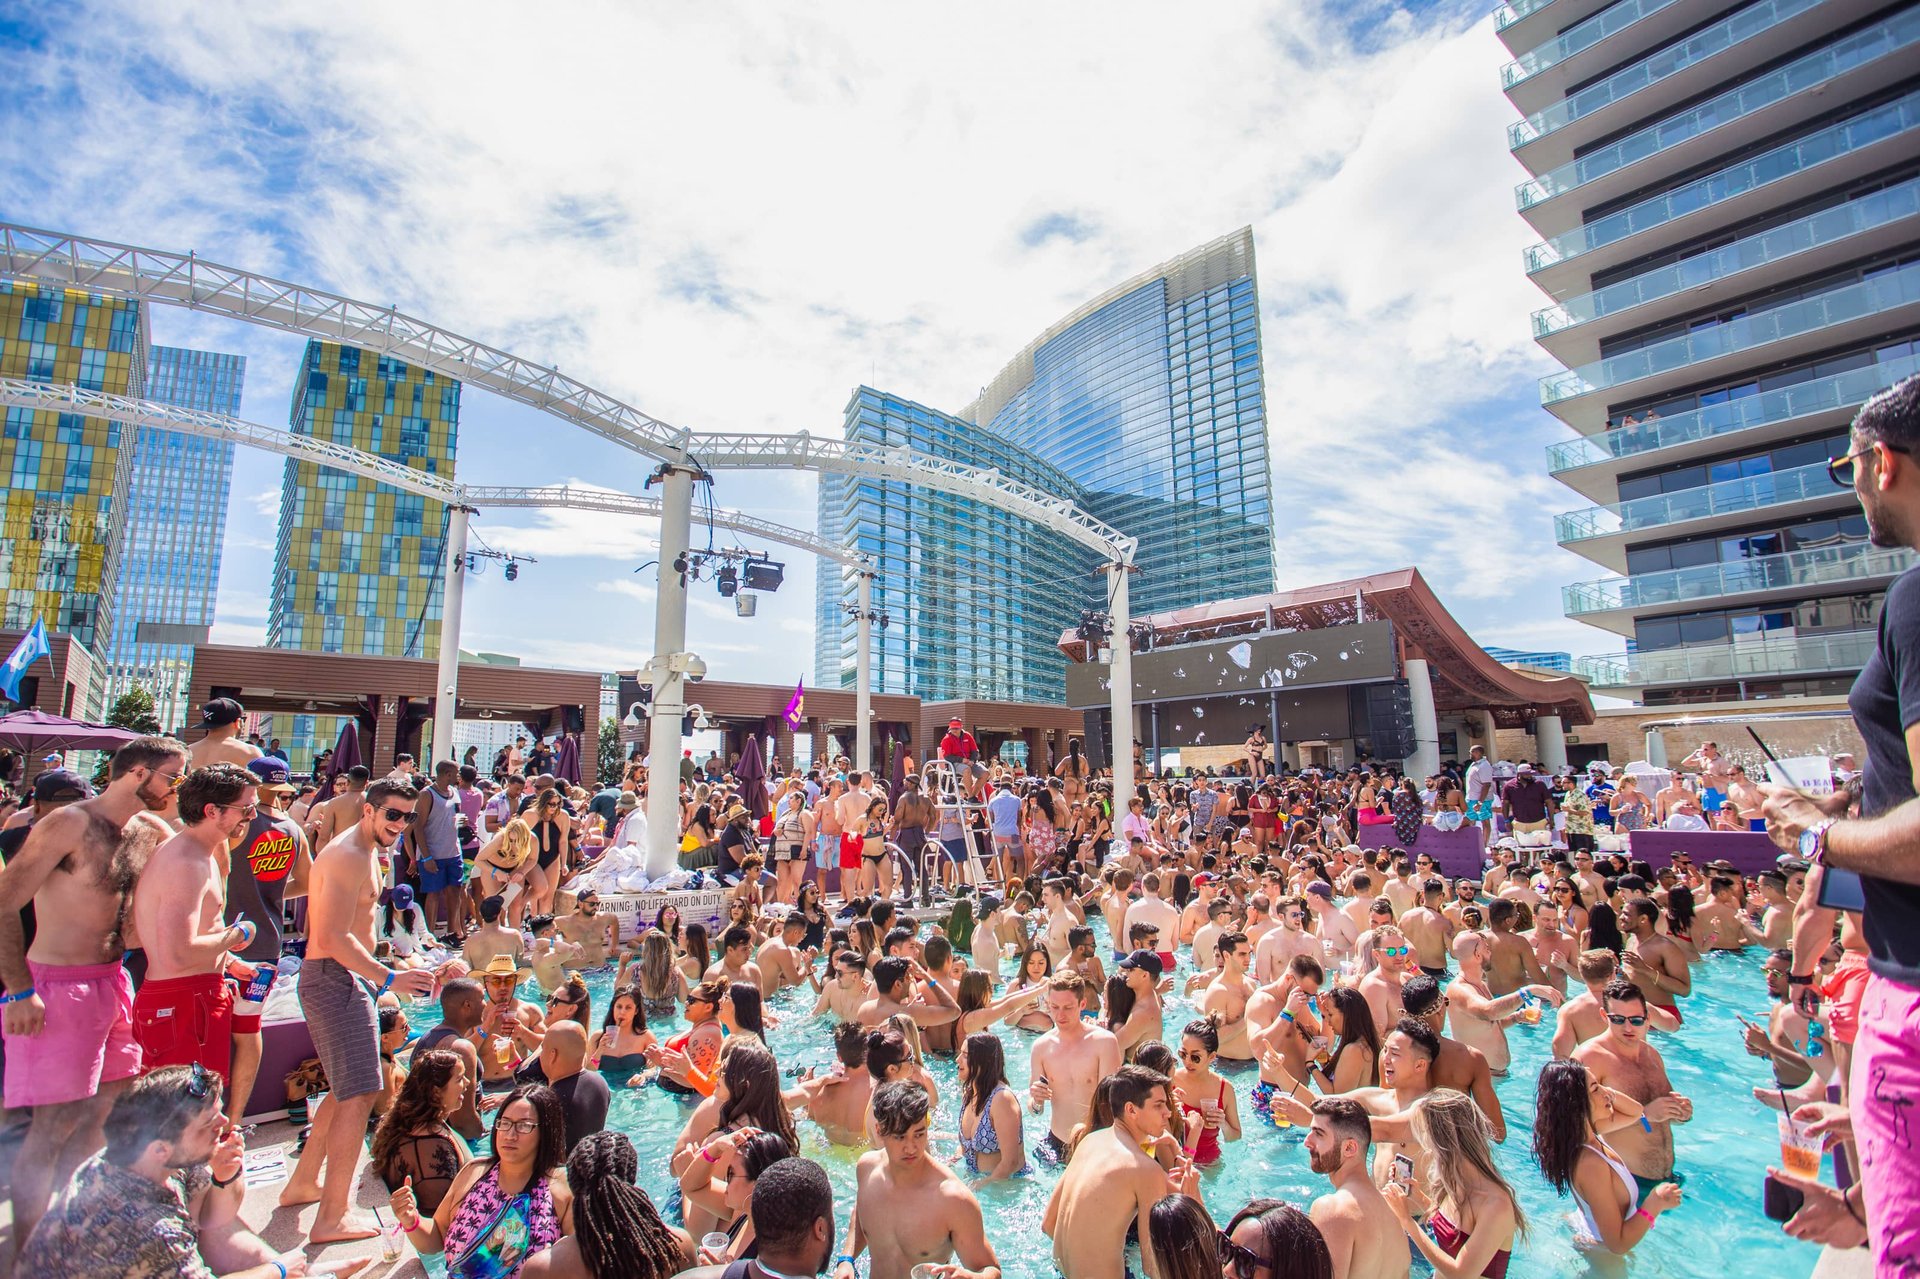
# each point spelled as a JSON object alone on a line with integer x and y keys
{"x": 1828, "y": 226}
{"x": 1508, "y": 14}
{"x": 1822, "y": 66}
{"x": 1800, "y": 655}
{"x": 1755, "y": 19}
{"x": 1820, "y": 566}
{"x": 1580, "y": 36}
{"x": 1888, "y": 120}
{"x": 1896, "y": 288}
{"x": 1748, "y": 493}
{"x": 1820, "y": 395}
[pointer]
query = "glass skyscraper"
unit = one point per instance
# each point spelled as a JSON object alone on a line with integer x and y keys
{"x": 1146, "y": 407}
{"x": 67, "y": 477}
{"x": 1728, "y": 201}
{"x": 358, "y": 565}
{"x": 169, "y": 559}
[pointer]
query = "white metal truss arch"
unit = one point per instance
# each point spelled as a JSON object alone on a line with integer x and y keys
{"x": 187, "y": 280}
{"x": 56, "y": 398}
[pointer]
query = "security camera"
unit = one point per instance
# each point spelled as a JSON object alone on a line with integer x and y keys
{"x": 696, "y": 669}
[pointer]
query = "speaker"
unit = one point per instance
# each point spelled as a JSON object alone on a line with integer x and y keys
{"x": 1095, "y": 731}
{"x": 1387, "y": 713}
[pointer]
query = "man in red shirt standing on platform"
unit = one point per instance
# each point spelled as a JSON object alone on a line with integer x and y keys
{"x": 958, "y": 746}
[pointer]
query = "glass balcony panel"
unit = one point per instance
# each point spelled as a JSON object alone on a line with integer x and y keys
{"x": 1583, "y": 35}
{"x": 1801, "y": 654}
{"x": 1749, "y": 493}
{"x": 1896, "y": 288}
{"x": 1875, "y": 209}
{"x": 1508, "y": 14}
{"x": 1697, "y": 48}
{"x": 1900, "y": 31}
{"x": 1870, "y": 127}
{"x": 1819, "y": 566}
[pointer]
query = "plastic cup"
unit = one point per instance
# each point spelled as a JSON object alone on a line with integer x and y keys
{"x": 716, "y": 1242}
{"x": 390, "y": 1244}
{"x": 925, "y": 1270}
{"x": 1799, "y": 1149}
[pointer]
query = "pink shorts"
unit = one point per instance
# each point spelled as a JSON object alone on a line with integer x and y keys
{"x": 87, "y": 1039}
{"x": 1885, "y": 1080}
{"x": 1846, "y": 988}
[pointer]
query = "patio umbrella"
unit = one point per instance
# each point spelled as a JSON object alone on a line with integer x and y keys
{"x": 346, "y": 754}
{"x": 39, "y": 732}
{"x": 897, "y": 775}
{"x": 566, "y": 761}
{"x": 753, "y": 778}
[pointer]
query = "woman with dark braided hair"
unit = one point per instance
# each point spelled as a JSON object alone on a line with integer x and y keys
{"x": 616, "y": 1230}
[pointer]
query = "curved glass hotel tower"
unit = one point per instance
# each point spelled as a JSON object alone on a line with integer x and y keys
{"x": 1728, "y": 199}
{"x": 1145, "y": 406}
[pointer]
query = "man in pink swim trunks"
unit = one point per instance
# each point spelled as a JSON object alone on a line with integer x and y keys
{"x": 69, "y": 1003}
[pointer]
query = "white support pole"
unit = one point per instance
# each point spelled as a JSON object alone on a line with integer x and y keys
{"x": 1120, "y": 686}
{"x": 1425, "y": 760}
{"x": 1550, "y": 741}
{"x": 669, "y": 699}
{"x": 863, "y": 673}
{"x": 446, "y": 682}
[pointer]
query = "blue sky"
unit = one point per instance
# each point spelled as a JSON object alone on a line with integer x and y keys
{"x": 731, "y": 215}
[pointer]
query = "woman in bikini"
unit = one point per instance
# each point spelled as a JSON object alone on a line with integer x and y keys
{"x": 1203, "y": 1092}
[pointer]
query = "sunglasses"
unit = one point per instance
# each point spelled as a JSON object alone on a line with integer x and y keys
{"x": 1396, "y": 951}
{"x": 1840, "y": 469}
{"x": 1195, "y": 1058}
{"x": 1243, "y": 1261}
{"x": 1619, "y": 1020}
{"x": 247, "y": 809}
{"x": 199, "y": 1083}
{"x": 696, "y": 999}
{"x": 396, "y": 814}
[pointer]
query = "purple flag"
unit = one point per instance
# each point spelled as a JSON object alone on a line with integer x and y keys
{"x": 796, "y": 710}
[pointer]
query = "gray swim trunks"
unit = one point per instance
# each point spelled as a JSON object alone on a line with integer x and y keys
{"x": 346, "y": 1030}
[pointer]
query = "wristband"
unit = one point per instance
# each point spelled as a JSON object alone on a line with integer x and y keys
{"x": 1846, "y": 1200}
{"x": 16, "y": 996}
{"x": 386, "y": 985}
{"x": 223, "y": 1184}
{"x": 1795, "y": 980}
{"x": 1286, "y": 1016}
{"x": 281, "y": 1267}
{"x": 845, "y": 1259}
{"x": 1642, "y": 1212}
{"x": 709, "y": 1156}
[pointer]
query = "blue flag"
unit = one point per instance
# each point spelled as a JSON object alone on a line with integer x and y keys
{"x": 32, "y": 647}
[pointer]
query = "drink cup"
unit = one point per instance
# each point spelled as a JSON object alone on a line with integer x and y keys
{"x": 1799, "y": 1149}
{"x": 922, "y": 1271}
{"x": 390, "y": 1243}
{"x": 716, "y": 1242}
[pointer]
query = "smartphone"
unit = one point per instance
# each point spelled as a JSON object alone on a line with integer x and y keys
{"x": 1779, "y": 1200}
{"x": 1403, "y": 1172}
{"x": 1841, "y": 890}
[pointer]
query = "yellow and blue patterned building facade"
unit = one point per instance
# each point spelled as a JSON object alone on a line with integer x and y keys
{"x": 358, "y": 566}
{"x": 65, "y": 475}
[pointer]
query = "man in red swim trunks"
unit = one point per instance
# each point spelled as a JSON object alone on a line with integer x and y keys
{"x": 183, "y": 1013}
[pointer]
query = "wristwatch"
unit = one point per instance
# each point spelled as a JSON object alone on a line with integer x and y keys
{"x": 1813, "y": 842}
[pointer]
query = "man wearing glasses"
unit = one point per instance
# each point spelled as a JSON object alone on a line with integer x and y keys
{"x": 183, "y": 1011}
{"x": 68, "y": 1013}
{"x": 1624, "y": 1061}
{"x": 338, "y": 986}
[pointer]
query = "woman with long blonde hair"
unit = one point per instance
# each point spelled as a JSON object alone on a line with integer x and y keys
{"x": 1475, "y": 1212}
{"x": 507, "y": 860}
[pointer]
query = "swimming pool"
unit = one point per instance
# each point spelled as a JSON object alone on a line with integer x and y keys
{"x": 1724, "y": 1151}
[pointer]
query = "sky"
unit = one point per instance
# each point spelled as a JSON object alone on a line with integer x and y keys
{"x": 731, "y": 215}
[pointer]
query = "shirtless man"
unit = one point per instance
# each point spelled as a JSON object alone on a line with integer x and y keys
{"x": 1354, "y": 1220}
{"x": 1228, "y": 995}
{"x": 1391, "y": 960}
{"x": 224, "y": 742}
{"x": 911, "y": 1209}
{"x": 1716, "y": 774}
{"x": 1584, "y": 1016}
{"x": 1654, "y": 963}
{"x": 511, "y": 1028}
{"x": 1360, "y": 884}
{"x": 1400, "y": 888}
{"x": 1083, "y": 961}
{"x": 1336, "y": 929}
{"x": 1428, "y": 930}
{"x": 1552, "y": 947}
{"x": 597, "y": 935}
{"x": 1716, "y": 923}
{"x": 838, "y": 1101}
{"x": 326, "y": 821}
{"x": 1511, "y": 962}
{"x": 68, "y": 1062}
{"x": 897, "y": 983}
{"x": 1769, "y": 897}
{"x": 1260, "y": 920}
{"x": 338, "y": 985}
{"x": 1114, "y": 902}
{"x": 183, "y": 1011}
{"x": 1066, "y": 1065}
{"x": 1455, "y": 1065}
{"x": 1113, "y": 1182}
{"x": 1479, "y": 1017}
{"x": 1199, "y": 910}
{"x": 491, "y": 938}
{"x": 1407, "y": 1057}
{"x": 848, "y": 992}
{"x": 736, "y": 959}
{"x": 1276, "y": 950}
{"x": 1668, "y": 799}
{"x": 1054, "y": 897}
{"x": 781, "y": 961}
{"x": 1624, "y": 1061}
{"x": 1156, "y": 910}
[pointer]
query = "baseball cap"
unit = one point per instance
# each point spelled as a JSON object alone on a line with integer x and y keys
{"x": 272, "y": 772}
{"x": 1145, "y": 959}
{"x": 955, "y": 722}
{"x": 403, "y": 897}
{"x": 1319, "y": 888}
{"x": 1203, "y": 878}
{"x": 61, "y": 783}
{"x": 220, "y": 712}
{"x": 988, "y": 904}
{"x": 1525, "y": 770}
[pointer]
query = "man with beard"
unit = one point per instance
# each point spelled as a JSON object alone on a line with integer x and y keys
{"x": 1355, "y": 1220}
{"x": 69, "y": 1002}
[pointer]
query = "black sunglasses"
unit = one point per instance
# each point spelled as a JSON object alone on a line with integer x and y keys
{"x": 199, "y": 1083}
{"x": 1243, "y": 1261}
{"x": 1840, "y": 469}
{"x": 396, "y": 814}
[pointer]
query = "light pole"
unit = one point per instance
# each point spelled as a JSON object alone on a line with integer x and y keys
{"x": 447, "y": 678}
{"x": 1120, "y": 683}
{"x": 670, "y": 664}
{"x": 863, "y": 619}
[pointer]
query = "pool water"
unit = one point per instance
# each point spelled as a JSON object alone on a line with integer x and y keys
{"x": 1723, "y": 1153}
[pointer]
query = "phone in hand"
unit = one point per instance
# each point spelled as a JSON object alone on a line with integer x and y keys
{"x": 1403, "y": 1172}
{"x": 1779, "y": 1200}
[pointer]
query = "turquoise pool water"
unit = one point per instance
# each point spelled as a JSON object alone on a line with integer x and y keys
{"x": 1723, "y": 1152}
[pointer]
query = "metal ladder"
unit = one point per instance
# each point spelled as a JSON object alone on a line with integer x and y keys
{"x": 949, "y": 793}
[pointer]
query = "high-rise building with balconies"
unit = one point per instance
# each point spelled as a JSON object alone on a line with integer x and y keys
{"x": 1728, "y": 200}
{"x": 1145, "y": 406}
